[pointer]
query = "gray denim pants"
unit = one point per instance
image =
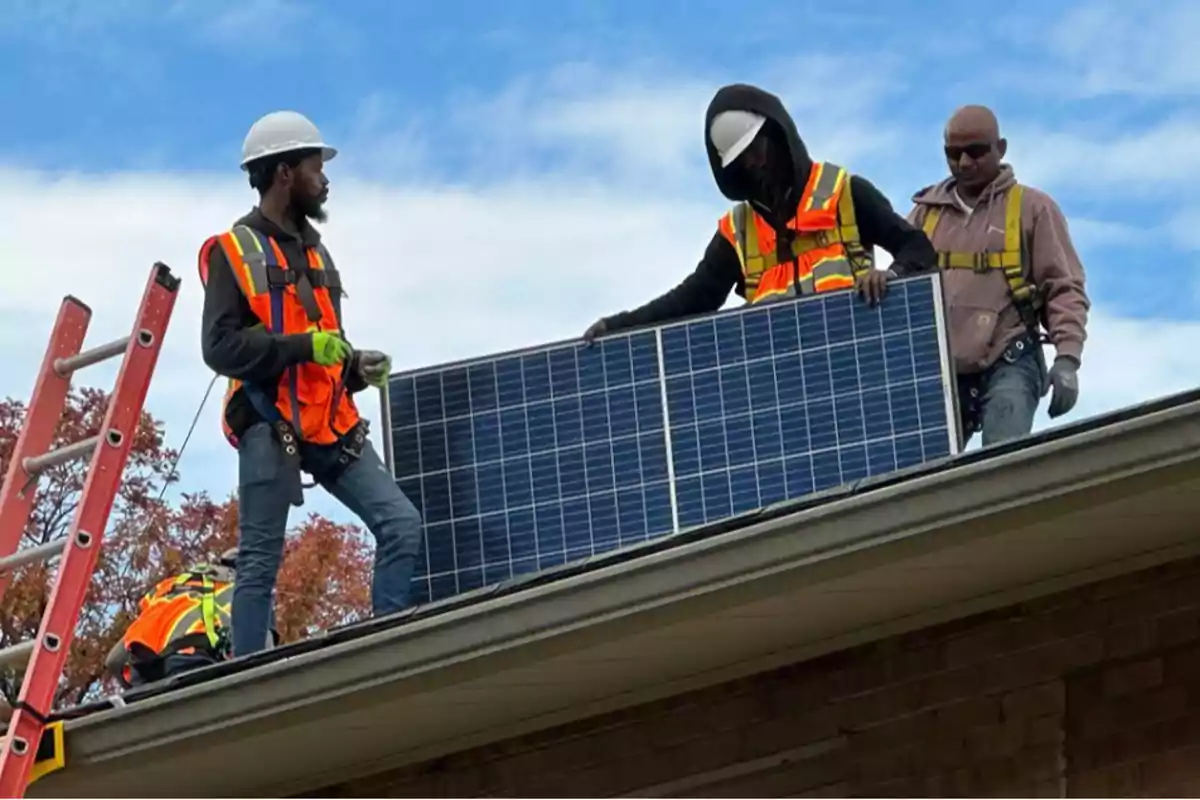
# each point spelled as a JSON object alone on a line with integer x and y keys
{"x": 1002, "y": 400}
{"x": 365, "y": 487}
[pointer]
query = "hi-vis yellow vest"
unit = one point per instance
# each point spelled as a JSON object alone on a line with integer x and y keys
{"x": 827, "y": 251}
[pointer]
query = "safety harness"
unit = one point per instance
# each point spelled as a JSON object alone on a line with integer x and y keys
{"x": 213, "y": 640}
{"x": 1024, "y": 295}
{"x": 261, "y": 259}
{"x": 1011, "y": 260}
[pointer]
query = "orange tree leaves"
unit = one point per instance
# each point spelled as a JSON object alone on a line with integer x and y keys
{"x": 325, "y": 579}
{"x": 324, "y": 558}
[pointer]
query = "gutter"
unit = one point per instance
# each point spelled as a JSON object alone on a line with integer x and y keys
{"x": 839, "y": 537}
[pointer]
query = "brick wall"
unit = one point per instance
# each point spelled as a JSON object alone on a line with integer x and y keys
{"x": 1093, "y": 692}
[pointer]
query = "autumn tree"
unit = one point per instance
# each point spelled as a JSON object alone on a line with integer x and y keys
{"x": 325, "y": 579}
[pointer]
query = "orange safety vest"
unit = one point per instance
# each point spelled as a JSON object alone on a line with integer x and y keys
{"x": 179, "y": 615}
{"x": 311, "y": 398}
{"x": 827, "y": 251}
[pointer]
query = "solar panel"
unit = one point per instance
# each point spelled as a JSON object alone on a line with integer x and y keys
{"x": 530, "y": 459}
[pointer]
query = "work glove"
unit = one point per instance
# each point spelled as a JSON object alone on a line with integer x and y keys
{"x": 329, "y": 348}
{"x": 374, "y": 367}
{"x": 597, "y": 328}
{"x": 1063, "y": 378}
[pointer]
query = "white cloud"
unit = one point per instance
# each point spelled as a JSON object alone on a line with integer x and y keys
{"x": 649, "y": 130}
{"x": 437, "y": 271}
{"x": 433, "y": 274}
{"x": 1132, "y": 161}
{"x": 1128, "y": 48}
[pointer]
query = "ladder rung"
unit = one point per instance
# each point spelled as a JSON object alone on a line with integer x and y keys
{"x": 65, "y": 366}
{"x": 16, "y": 654}
{"x": 35, "y": 465}
{"x": 32, "y": 555}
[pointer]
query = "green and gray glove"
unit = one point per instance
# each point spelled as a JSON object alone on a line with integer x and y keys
{"x": 374, "y": 367}
{"x": 329, "y": 348}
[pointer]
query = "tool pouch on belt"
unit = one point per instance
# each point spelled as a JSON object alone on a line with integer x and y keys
{"x": 290, "y": 445}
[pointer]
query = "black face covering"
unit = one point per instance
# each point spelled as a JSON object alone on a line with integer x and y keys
{"x": 790, "y": 162}
{"x": 769, "y": 184}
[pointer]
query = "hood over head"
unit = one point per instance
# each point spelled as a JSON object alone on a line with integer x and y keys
{"x": 744, "y": 97}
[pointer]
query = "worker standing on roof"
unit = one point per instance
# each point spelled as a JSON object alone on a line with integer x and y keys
{"x": 1010, "y": 269}
{"x": 273, "y": 325}
{"x": 799, "y": 226}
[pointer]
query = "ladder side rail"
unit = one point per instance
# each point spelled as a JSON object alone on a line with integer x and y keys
{"x": 42, "y": 416}
{"x": 57, "y": 631}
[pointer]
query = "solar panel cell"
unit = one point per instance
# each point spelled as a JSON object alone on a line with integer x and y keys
{"x": 525, "y": 461}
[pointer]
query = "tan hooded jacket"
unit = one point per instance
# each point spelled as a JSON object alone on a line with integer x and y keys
{"x": 982, "y": 319}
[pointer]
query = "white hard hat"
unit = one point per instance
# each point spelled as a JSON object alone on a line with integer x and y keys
{"x": 282, "y": 132}
{"x": 733, "y": 131}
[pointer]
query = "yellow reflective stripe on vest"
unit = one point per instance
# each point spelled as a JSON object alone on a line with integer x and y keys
{"x": 861, "y": 259}
{"x": 829, "y": 178}
{"x": 754, "y": 262}
{"x": 205, "y": 612}
{"x": 251, "y": 251}
{"x": 208, "y": 609}
{"x": 831, "y": 273}
{"x": 745, "y": 234}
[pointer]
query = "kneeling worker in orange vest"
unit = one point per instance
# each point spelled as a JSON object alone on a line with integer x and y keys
{"x": 799, "y": 226}
{"x": 183, "y": 624}
{"x": 273, "y": 325}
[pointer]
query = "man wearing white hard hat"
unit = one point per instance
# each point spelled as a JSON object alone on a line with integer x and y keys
{"x": 273, "y": 326}
{"x": 798, "y": 226}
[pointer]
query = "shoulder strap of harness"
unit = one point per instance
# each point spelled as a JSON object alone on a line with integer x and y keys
{"x": 1011, "y": 260}
{"x": 326, "y": 275}
{"x": 267, "y": 270}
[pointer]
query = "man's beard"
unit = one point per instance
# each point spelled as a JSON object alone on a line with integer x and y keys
{"x": 311, "y": 208}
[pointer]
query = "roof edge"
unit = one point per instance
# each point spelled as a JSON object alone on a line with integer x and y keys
{"x": 439, "y": 648}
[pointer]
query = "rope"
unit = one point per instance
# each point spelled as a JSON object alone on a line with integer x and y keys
{"x": 186, "y": 439}
{"x": 179, "y": 455}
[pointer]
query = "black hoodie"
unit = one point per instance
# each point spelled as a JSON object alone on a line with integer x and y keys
{"x": 707, "y": 288}
{"x": 232, "y": 340}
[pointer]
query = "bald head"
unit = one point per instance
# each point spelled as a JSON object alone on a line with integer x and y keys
{"x": 977, "y": 123}
{"x": 974, "y": 149}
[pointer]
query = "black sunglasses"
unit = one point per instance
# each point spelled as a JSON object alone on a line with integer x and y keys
{"x": 974, "y": 151}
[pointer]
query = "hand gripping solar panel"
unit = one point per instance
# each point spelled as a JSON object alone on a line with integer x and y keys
{"x": 530, "y": 459}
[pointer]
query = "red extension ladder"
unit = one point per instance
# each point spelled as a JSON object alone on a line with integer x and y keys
{"x": 46, "y": 654}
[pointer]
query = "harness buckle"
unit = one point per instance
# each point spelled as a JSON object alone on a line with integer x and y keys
{"x": 290, "y": 443}
{"x": 352, "y": 444}
{"x": 980, "y": 263}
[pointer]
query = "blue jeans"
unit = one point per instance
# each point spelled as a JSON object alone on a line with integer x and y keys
{"x": 1002, "y": 400}
{"x": 364, "y": 487}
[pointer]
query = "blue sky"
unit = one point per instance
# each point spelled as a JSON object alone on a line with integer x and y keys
{"x": 520, "y": 168}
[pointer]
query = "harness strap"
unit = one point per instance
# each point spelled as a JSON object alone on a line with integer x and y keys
{"x": 1011, "y": 260}
{"x": 265, "y": 263}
